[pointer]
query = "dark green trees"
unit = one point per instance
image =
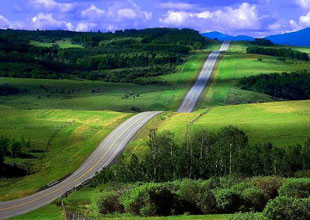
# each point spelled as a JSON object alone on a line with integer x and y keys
{"x": 204, "y": 155}
{"x": 293, "y": 86}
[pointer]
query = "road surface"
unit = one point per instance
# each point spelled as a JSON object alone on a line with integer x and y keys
{"x": 104, "y": 154}
{"x": 194, "y": 93}
{"x": 108, "y": 149}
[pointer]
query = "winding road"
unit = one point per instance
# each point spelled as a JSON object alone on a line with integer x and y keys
{"x": 108, "y": 150}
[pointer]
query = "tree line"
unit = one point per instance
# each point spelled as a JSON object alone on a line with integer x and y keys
{"x": 204, "y": 155}
{"x": 279, "y": 52}
{"x": 155, "y": 47}
{"x": 293, "y": 86}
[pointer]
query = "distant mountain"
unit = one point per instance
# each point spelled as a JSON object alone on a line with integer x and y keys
{"x": 224, "y": 37}
{"x": 298, "y": 38}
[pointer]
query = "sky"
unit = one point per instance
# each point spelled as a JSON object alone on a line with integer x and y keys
{"x": 256, "y": 18}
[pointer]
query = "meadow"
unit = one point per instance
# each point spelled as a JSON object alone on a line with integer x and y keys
{"x": 61, "y": 140}
{"x": 236, "y": 64}
{"x": 66, "y": 119}
{"x": 280, "y": 123}
{"x": 62, "y": 44}
{"x": 98, "y": 95}
{"x": 264, "y": 118}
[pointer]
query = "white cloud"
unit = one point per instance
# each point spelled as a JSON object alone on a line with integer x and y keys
{"x": 83, "y": 26}
{"x": 244, "y": 17}
{"x": 47, "y": 21}
{"x": 4, "y": 23}
{"x": 304, "y": 22}
{"x": 275, "y": 26}
{"x": 51, "y": 5}
{"x": 305, "y": 4}
{"x": 176, "y": 5}
{"x": 127, "y": 10}
{"x": 92, "y": 13}
{"x": 126, "y": 13}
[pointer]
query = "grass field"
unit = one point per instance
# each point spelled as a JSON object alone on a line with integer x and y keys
{"x": 63, "y": 138}
{"x": 98, "y": 95}
{"x": 66, "y": 119}
{"x": 63, "y": 44}
{"x": 280, "y": 123}
{"x": 49, "y": 212}
{"x": 235, "y": 65}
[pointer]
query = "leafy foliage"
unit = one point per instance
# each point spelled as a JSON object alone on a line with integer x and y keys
{"x": 282, "y": 52}
{"x": 296, "y": 188}
{"x": 294, "y": 86}
{"x": 284, "y": 208}
{"x": 150, "y": 52}
{"x": 204, "y": 155}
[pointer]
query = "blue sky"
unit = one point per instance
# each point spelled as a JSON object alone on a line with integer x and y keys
{"x": 254, "y": 17}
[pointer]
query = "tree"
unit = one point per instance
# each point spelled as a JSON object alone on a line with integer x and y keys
{"x": 231, "y": 142}
{"x": 306, "y": 155}
{"x": 15, "y": 148}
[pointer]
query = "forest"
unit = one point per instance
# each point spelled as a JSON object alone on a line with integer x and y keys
{"x": 106, "y": 56}
{"x": 292, "y": 86}
{"x": 209, "y": 173}
{"x": 204, "y": 155}
{"x": 278, "y": 52}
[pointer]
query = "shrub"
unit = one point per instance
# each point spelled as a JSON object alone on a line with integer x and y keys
{"x": 150, "y": 199}
{"x": 196, "y": 196}
{"x": 270, "y": 185}
{"x": 284, "y": 208}
{"x": 246, "y": 216}
{"x": 108, "y": 203}
{"x": 296, "y": 188}
{"x": 227, "y": 200}
{"x": 254, "y": 199}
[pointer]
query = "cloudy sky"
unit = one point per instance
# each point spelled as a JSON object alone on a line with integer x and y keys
{"x": 253, "y": 17}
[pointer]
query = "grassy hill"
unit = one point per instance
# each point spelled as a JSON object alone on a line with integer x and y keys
{"x": 237, "y": 64}
{"x": 81, "y": 113}
{"x": 99, "y": 95}
{"x": 61, "y": 140}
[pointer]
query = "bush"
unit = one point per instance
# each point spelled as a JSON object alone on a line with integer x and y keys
{"x": 254, "y": 199}
{"x": 196, "y": 196}
{"x": 150, "y": 199}
{"x": 246, "y": 216}
{"x": 284, "y": 208}
{"x": 227, "y": 200}
{"x": 296, "y": 188}
{"x": 108, "y": 203}
{"x": 270, "y": 185}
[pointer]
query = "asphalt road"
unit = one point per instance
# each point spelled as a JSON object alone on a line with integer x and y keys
{"x": 108, "y": 149}
{"x": 194, "y": 93}
{"x": 103, "y": 156}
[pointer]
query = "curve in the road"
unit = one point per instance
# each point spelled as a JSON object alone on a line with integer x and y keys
{"x": 103, "y": 156}
{"x": 108, "y": 149}
{"x": 194, "y": 93}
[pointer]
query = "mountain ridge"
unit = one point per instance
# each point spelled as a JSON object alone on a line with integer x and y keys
{"x": 296, "y": 38}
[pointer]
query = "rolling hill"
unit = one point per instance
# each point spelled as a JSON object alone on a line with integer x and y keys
{"x": 224, "y": 37}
